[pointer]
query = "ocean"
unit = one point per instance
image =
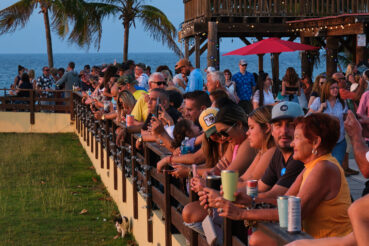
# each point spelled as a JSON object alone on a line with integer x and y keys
{"x": 9, "y": 62}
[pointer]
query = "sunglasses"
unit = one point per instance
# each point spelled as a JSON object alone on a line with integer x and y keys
{"x": 160, "y": 82}
{"x": 46, "y": 70}
{"x": 225, "y": 133}
{"x": 244, "y": 65}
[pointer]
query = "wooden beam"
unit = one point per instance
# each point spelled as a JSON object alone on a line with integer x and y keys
{"x": 186, "y": 44}
{"x": 203, "y": 48}
{"x": 245, "y": 41}
{"x": 197, "y": 51}
{"x": 332, "y": 48}
{"x": 212, "y": 44}
{"x": 202, "y": 39}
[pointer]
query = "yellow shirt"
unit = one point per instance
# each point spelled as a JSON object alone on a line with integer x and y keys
{"x": 330, "y": 218}
{"x": 138, "y": 93}
{"x": 140, "y": 110}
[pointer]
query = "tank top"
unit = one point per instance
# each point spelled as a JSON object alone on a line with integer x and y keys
{"x": 330, "y": 218}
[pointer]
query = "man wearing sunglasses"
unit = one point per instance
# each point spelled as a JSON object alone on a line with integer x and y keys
{"x": 245, "y": 85}
{"x": 344, "y": 92}
{"x": 127, "y": 82}
{"x": 195, "y": 79}
{"x": 140, "y": 111}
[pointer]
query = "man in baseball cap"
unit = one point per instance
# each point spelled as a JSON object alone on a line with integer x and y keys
{"x": 195, "y": 80}
{"x": 283, "y": 169}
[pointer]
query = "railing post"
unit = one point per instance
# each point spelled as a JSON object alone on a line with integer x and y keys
{"x": 32, "y": 107}
{"x": 167, "y": 210}
{"x": 122, "y": 161}
{"x": 149, "y": 194}
{"x": 107, "y": 143}
{"x": 193, "y": 234}
{"x": 134, "y": 177}
{"x": 101, "y": 147}
{"x": 227, "y": 232}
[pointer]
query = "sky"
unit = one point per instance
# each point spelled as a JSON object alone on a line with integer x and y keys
{"x": 31, "y": 39}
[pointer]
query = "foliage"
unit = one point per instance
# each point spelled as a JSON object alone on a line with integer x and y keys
{"x": 46, "y": 181}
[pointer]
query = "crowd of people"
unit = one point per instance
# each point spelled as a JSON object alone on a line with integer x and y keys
{"x": 295, "y": 141}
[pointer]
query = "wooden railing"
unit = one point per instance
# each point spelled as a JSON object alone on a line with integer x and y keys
{"x": 160, "y": 190}
{"x": 273, "y": 8}
{"x": 60, "y": 102}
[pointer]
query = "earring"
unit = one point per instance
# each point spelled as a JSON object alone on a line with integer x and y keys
{"x": 314, "y": 152}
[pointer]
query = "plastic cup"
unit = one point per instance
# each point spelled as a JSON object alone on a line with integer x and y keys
{"x": 282, "y": 203}
{"x": 229, "y": 183}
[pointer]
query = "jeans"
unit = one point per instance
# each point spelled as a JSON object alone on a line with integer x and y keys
{"x": 339, "y": 151}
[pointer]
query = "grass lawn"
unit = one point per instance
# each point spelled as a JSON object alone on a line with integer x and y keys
{"x": 46, "y": 180}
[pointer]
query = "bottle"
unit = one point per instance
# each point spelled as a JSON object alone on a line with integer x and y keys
{"x": 89, "y": 92}
{"x": 184, "y": 147}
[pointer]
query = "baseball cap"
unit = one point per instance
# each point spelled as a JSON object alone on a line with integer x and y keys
{"x": 181, "y": 63}
{"x": 207, "y": 121}
{"x": 210, "y": 69}
{"x": 286, "y": 110}
{"x": 243, "y": 62}
{"x": 126, "y": 79}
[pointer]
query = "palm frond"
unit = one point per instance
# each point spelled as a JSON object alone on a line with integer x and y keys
{"x": 16, "y": 15}
{"x": 160, "y": 28}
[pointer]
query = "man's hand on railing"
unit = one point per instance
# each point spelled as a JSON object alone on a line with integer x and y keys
{"x": 228, "y": 209}
{"x": 180, "y": 171}
{"x": 162, "y": 163}
{"x": 121, "y": 136}
{"x": 98, "y": 115}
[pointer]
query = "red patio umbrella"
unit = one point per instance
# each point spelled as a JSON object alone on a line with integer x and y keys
{"x": 270, "y": 45}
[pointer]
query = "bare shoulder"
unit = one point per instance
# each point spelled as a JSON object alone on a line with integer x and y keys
{"x": 326, "y": 167}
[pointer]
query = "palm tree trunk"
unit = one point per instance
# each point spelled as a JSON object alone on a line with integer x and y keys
{"x": 48, "y": 37}
{"x": 125, "y": 42}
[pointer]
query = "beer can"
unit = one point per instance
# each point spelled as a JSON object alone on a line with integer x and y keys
{"x": 213, "y": 182}
{"x": 129, "y": 119}
{"x": 294, "y": 214}
{"x": 252, "y": 188}
{"x": 282, "y": 202}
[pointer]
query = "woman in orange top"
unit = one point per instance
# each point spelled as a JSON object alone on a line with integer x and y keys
{"x": 322, "y": 187}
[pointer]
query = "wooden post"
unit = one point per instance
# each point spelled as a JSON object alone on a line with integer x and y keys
{"x": 167, "y": 210}
{"x": 331, "y": 63}
{"x": 306, "y": 67}
{"x": 261, "y": 62}
{"x": 107, "y": 143}
{"x": 212, "y": 43}
{"x": 134, "y": 177}
{"x": 227, "y": 232}
{"x": 194, "y": 236}
{"x": 361, "y": 52}
{"x": 32, "y": 107}
{"x": 197, "y": 51}
{"x": 124, "y": 184}
{"x": 186, "y": 45}
{"x": 149, "y": 195}
{"x": 101, "y": 147}
{"x": 275, "y": 71}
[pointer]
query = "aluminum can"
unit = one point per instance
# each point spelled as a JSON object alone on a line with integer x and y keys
{"x": 282, "y": 202}
{"x": 213, "y": 182}
{"x": 129, "y": 119}
{"x": 294, "y": 214}
{"x": 252, "y": 188}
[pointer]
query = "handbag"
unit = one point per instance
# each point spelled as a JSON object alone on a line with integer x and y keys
{"x": 209, "y": 230}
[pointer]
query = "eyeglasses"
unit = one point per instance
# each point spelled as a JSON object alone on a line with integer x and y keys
{"x": 160, "y": 82}
{"x": 225, "y": 133}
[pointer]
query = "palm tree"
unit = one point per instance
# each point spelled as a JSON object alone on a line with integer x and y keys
{"x": 154, "y": 20}
{"x": 86, "y": 19}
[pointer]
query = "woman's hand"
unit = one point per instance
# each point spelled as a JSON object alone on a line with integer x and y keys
{"x": 197, "y": 184}
{"x": 207, "y": 197}
{"x": 165, "y": 117}
{"x": 180, "y": 171}
{"x": 162, "y": 163}
{"x": 222, "y": 164}
{"x": 323, "y": 106}
{"x": 177, "y": 151}
{"x": 228, "y": 209}
{"x": 157, "y": 127}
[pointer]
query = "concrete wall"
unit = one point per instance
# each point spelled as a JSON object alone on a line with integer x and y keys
{"x": 44, "y": 123}
{"x": 126, "y": 208}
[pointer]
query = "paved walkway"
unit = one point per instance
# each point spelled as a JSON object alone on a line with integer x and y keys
{"x": 356, "y": 182}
